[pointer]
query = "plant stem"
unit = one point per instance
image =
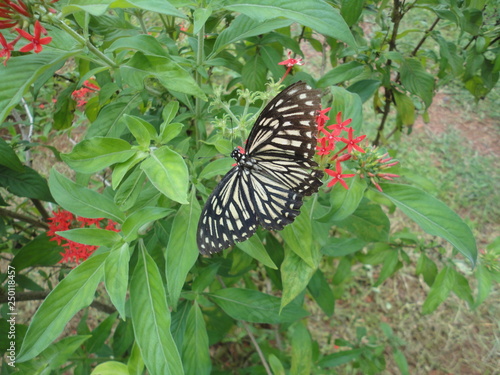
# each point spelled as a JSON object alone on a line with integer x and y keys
{"x": 86, "y": 43}
{"x": 199, "y": 63}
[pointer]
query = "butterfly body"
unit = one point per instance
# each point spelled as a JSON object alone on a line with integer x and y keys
{"x": 267, "y": 185}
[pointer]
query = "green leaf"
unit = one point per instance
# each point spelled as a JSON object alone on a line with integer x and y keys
{"x": 147, "y": 44}
{"x": 440, "y": 290}
{"x": 111, "y": 368}
{"x": 462, "y": 289}
{"x": 38, "y": 252}
{"x": 338, "y": 247}
{"x": 168, "y": 172}
{"x": 427, "y": 268}
{"x": 255, "y": 307}
{"x": 92, "y": 236}
{"x": 130, "y": 190}
{"x": 156, "y": 6}
{"x": 365, "y": 88}
{"x": 484, "y": 284}
{"x": 133, "y": 223}
{"x": 390, "y": 265}
{"x": 350, "y": 105}
{"x": 244, "y": 27}
{"x": 121, "y": 169}
{"x": 301, "y": 350}
{"x": 92, "y": 155}
{"x": 405, "y": 108}
{"x": 343, "y": 202}
{"x": 195, "y": 353}
{"x": 8, "y": 157}
{"x": 182, "y": 250}
{"x": 296, "y": 273}
{"x": 316, "y": 14}
{"x": 416, "y": 80}
{"x": 254, "y": 247}
{"x": 200, "y": 17}
{"x": 82, "y": 201}
{"x": 65, "y": 108}
{"x": 337, "y": 359}
{"x": 216, "y": 168}
{"x": 169, "y": 112}
{"x": 276, "y": 365}
{"x": 320, "y": 290}
{"x": 72, "y": 294}
{"x": 26, "y": 183}
{"x": 168, "y": 73}
{"x": 170, "y": 131}
{"x": 369, "y": 222}
{"x": 351, "y": 10}
{"x": 433, "y": 216}
{"x": 116, "y": 276}
{"x": 401, "y": 361}
{"x": 21, "y": 72}
{"x": 109, "y": 122}
{"x": 254, "y": 74}
{"x": 151, "y": 318}
{"x": 341, "y": 73}
{"x": 142, "y": 131}
{"x": 59, "y": 353}
{"x": 298, "y": 236}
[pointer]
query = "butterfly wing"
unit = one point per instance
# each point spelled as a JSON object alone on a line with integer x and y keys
{"x": 229, "y": 214}
{"x": 239, "y": 203}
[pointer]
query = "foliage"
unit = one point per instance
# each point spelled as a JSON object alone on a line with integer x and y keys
{"x": 146, "y": 81}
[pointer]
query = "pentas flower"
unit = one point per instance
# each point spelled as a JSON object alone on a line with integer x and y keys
{"x": 7, "y": 47}
{"x": 74, "y": 252}
{"x": 328, "y": 141}
{"x": 290, "y": 63}
{"x": 82, "y": 95}
{"x": 352, "y": 142}
{"x": 8, "y": 8}
{"x": 36, "y": 42}
{"x": 337, "y": 175}
{"x": 372, "y": 165}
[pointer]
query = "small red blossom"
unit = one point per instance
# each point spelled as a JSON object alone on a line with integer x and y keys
{"x": 36, "y": 42}
{"x": 340, "y": 125}
{"x": 6, "y": 48}
{"x": 82, "y": 95}
{"x": 352, "y": 142}
{"x": 338, "y": 176}
{"x": 74, "y": 252}
{"x": 7, "y": 7}
{"x": 289, "y": 63}
{"x": 322, "y": 118}
{"x": 324, "y": 148}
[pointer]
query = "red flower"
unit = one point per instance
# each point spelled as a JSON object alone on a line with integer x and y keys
{"x": 351, "y": 142}
{"x": 7, "y": 47}
{"x": 7, "y": 7}
{"x": 321, "y": 118}
{"x": 325, "y": 148}
{"x": 338, "y": 176}
{"x": 341, "y": 125}
{"x": 289, "y": 63}
{"x": 74, "y": 252}
{"x": 82, "y": 95}
{"x": 36, "y": 42}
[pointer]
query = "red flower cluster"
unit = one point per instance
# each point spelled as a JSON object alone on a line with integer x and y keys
{"x": 12, "y": 14}
{"x": 74, "y": 251}
{"x": 328, "y": 141}
{"x": 82, "y": 95}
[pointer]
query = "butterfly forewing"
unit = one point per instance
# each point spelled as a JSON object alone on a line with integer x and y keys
{"x": 287, "y": 126}
{"x": 268, "y": 184}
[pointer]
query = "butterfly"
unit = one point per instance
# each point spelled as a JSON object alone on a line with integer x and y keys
{"x": 267, "y": 185}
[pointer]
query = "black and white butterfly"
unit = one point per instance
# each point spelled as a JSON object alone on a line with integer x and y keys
{"x": 270, "y": 178}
